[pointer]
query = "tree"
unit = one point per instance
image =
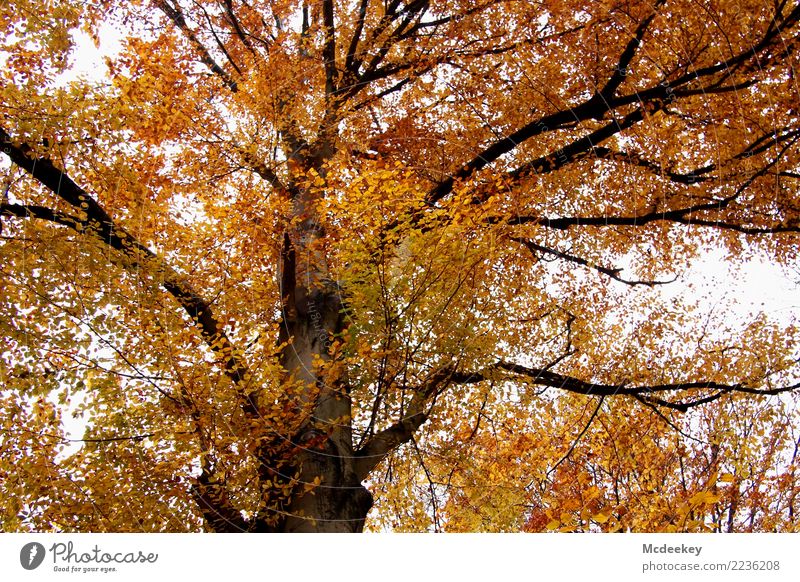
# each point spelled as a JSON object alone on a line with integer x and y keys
{"x": 289, "y": 260}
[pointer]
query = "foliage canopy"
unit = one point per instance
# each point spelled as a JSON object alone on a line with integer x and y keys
{"x": 273, "y": 250}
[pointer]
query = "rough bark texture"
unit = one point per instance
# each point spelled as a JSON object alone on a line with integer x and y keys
{"x": 312, "y": 319}
{"x": 340, "y": 503}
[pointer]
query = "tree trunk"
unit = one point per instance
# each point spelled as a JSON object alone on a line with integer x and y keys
{"x": 339, "y": 504}
{"x": 329, "y": 497}
{"x": 323, "y": 446}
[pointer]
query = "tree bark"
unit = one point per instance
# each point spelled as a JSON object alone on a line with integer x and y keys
{"x": 329, "y": 496}
{"x": 324, "y": 444}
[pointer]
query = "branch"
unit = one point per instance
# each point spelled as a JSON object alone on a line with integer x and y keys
{"x": 135, "y": 438}
{"x": 381, "y": 94}
{"x": 621, "y": 71}
{"x": 595, "y": 107}
{"x": 579, "y": 437}
{"x": 99, "y": 440}
{"x": 381, "y": 444}
{"x": 350, "y": 59}
{"x": 687, "y": 178}
{"x": 92, "y": 219}
{"x": 384, "y": 442}
{"x": 570, "y": 152}
{"x": 551, "y": 379}
{"x": 237, "y": 27}
{"x": 175, "y": 15}
{"x": 680, "y": 216}
{"x": 613, "y": 273}
{"x": 663, "y": 417}
{"x": 42, "y": 213}
{"x": 687, "y": 216}
{"x": 679, "y": 406}
{"x": 726, "y": 67}
{"x": 389, "y": 16}
{"x": 262, "y": 169}
{"x": 357, "y": 81}
{"x": 329, "y": 48}
{"x": 601, "y": 103}
{"x": 212, "y": 499}
{"x": 548, "y": 378}
{"x": 217, "y": 39}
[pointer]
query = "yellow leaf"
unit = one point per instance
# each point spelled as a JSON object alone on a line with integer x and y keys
{"x": 601, "y": 517}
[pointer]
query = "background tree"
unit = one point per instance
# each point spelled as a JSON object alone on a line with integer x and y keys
{"x": 287, "y": 260}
